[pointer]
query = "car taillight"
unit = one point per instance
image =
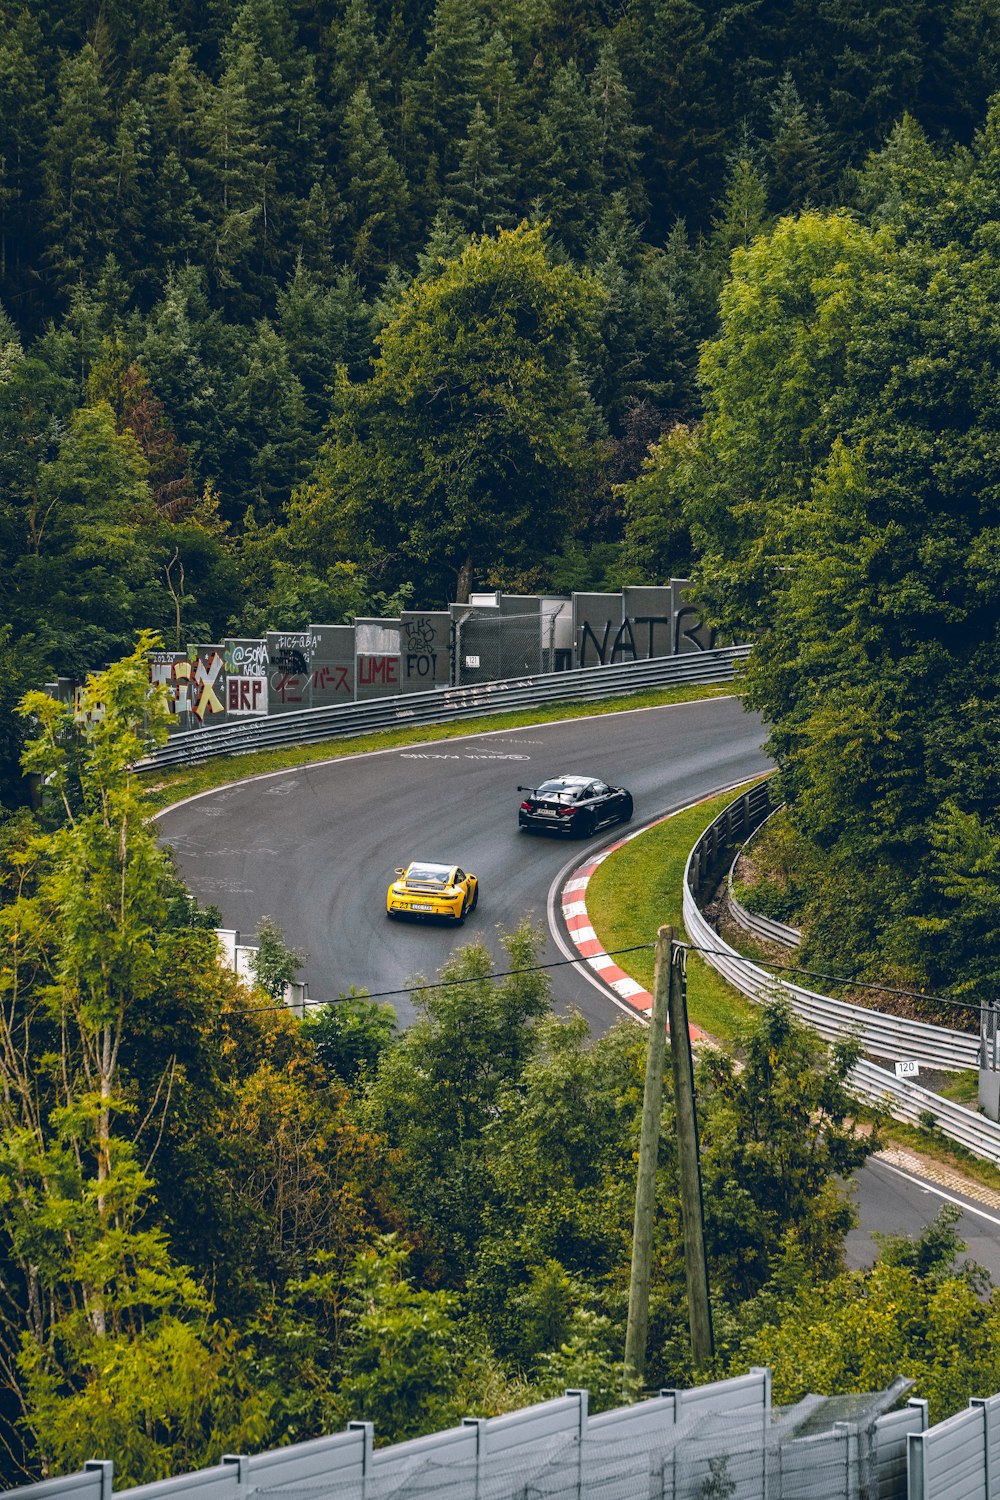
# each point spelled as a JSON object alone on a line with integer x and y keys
{"x": 525, "y": 806}
{"x": 566, "y": 812}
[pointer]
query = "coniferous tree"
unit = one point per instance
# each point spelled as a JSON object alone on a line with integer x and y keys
{"x": 798, "y": 173}
{"x": 568, "y": 173}
{"x": 375, "y": 188}
{"x": 356, "y": 59}
{"x": 743, "y": 208}
{"x": 478, "y": 191}
{"x": 620, "y": 140}
{"x": 22, "y": 130}
{"x": 440, "y": 97}
{"x": 79, "y": 170}
{"x": 667, "y": 56}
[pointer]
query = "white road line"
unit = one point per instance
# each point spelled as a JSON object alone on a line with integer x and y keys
{"x": 968, "y": 1208}
{"x": 481, "y": 734}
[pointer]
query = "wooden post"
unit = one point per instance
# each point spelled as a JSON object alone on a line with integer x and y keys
{"x": 645, "y": 1185}
{"x": 689, "y": 1166}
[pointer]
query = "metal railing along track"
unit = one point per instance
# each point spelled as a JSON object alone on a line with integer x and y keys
{"x": 305, "y": 726}
{"x": 882, "y": 1035}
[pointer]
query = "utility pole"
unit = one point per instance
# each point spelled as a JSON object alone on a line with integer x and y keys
{"x": 645, "y": 1186}
{"x": 689, "y": 1165}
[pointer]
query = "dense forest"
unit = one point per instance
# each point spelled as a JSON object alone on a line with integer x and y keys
{"x": 251, "y": 328}
{"x": 313, "y": 309}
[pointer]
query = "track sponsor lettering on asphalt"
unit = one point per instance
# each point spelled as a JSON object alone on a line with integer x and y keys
{"x": 466, "y": 755}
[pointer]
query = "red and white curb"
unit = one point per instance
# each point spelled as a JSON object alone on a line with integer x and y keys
{"x": 580, "y": 929}
{"x": 585, "y": 940}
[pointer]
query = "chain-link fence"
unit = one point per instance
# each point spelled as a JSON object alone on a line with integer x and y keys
{"x": 490, "y": 647}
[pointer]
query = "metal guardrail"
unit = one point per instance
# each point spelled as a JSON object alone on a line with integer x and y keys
{"x": 441, "y": 705}
{"x": 907, "y": 1101}
{"x": 835, "y": 1020}
{"x": 752, "y": 921}
{"x": 883, "y": 1035}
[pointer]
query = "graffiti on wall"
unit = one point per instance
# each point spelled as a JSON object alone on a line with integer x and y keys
{"x": 424, "y": 650}
{"x": 330, "y": 664}
{"x": 208, "y": 682}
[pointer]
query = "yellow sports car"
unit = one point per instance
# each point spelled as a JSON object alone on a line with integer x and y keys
{"x": 424, "y": 890}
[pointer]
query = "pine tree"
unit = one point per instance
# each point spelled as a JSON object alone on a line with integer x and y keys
{"x": 375, "y": 189}
{"x": 235, "y": 171}
{"x": 321, "y": 327}
{"x": 666, "y": 53}
{"x": 275, "y": 423}
{"x": 22, "y": 131}
{"x": 798, "y": 172}
{"x": 318, "y": 217}
{"x": 357, "y": 57}
{"x": 620, "y": 136}
{"x": 79, "y": 170}
{"x": 446, "y": 241}
{"x": 478, "y": 191}
{"x": 568, "y": 174}
{"x": 743, "y": 208}
{"x": 441, "y": 95}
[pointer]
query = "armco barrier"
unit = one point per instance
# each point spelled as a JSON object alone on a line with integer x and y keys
{"x": 752, "y": 921}
{"x": 582, "y": 684}
{"x": 835, "y": 1020}
{"x": 908, "y": 1102}
{"x": 883, "y": 1035}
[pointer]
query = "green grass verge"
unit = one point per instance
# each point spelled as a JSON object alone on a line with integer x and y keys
{"x": 639, "y": 889}
{"x": 163, "y": 788}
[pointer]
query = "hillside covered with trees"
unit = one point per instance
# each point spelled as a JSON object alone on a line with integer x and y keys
{"x": 312, "y": 309}
{"x": 246, "y": 337}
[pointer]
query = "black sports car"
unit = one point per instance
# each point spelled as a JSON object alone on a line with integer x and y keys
{"x": 573, "y": 804}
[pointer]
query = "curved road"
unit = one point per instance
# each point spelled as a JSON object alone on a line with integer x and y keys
{"x": 316, "y": 848}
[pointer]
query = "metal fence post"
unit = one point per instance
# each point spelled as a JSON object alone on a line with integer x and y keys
{"x": 242, "y": 1462}
{"x": 989, "y": 1405}
{"x": 479, "y": 1423}
{"x": 583, "y": 1398}
{"x": 107, "y": 1471}
{"x": 368, "y": 1429}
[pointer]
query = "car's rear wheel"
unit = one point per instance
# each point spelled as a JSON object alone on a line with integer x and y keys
{"x": 392, "y": 915}
{"x": 587, "y": 825}
{"x": 627, "y": 809}
{"x": 475, "y": 899}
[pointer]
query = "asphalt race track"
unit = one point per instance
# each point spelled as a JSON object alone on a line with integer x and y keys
{"x": 316, "y": 848}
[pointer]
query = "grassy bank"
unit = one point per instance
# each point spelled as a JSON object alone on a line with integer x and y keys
{"x": 164, "y": 787}
{"x": 639, "y": 888}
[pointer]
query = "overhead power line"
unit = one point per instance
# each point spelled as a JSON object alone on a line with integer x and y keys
{"x": 847, "y": 981}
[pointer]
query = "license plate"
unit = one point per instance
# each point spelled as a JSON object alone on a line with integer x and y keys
{"x": 545, "y": 812}
{"x": 421, "y": 906}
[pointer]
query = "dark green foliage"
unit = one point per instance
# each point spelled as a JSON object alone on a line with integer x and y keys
{"x": 236, "y": 194}
{"x": 350, "y": 1035}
